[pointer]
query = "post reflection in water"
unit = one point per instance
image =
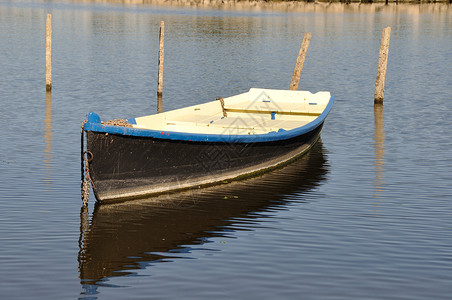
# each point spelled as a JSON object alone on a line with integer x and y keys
{"x": 379, "y": 139}
{"x": 127, "y": 236}
{"x": 48, "y": 132}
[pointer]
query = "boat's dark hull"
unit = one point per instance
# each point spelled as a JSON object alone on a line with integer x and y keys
{"x": 118, "y": 239}
{"x": 129, "y": 166}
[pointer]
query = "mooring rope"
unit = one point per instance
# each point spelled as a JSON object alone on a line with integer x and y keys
{"x": 117, "y": 122}
{"x": 225, "y": 114}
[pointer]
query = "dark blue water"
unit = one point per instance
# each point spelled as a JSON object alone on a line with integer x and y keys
{"x": 367, "y": 214}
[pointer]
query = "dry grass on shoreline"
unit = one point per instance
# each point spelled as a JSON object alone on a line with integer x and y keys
{"x": 369, "y": 6}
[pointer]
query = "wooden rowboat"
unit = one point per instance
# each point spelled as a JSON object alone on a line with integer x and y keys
{"x": 202, "y": 144}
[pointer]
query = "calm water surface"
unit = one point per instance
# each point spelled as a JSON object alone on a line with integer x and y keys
{"x": 367, "y": 214}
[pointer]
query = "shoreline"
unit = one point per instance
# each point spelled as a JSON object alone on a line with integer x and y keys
{"x": 414, "y": 7}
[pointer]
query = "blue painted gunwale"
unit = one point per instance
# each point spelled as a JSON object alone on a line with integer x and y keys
{"x": 94, "y": 124}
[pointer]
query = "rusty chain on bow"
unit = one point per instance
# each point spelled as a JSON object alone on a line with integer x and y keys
{"x": 86, "y": 158}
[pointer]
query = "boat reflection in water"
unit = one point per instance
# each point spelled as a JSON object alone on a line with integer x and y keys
{"x": 126, "y": 236}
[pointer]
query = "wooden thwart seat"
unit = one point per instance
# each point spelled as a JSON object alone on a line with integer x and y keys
{"x": 263, "y": 107}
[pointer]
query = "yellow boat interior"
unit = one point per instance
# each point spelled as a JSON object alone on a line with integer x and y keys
{"x": 258, "y": 111}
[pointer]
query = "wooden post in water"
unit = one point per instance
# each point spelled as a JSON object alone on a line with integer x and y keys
{"x": 159, "y": 103}
{"x": 382, "y": 64}
{"x": 300, "y": 61}
{"x": 161, "y": 56}
{"x": 49, "y": 52}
